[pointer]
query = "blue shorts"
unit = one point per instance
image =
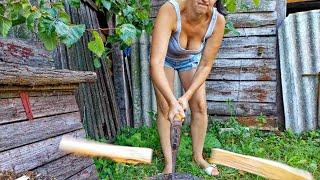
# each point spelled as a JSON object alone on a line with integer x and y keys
{"x": 183, "y": 65}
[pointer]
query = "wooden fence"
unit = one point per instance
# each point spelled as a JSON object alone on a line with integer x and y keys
{"x": 245, "y": 70}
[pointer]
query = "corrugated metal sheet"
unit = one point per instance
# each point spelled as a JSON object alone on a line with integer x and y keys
{"x": 299, "y": 42}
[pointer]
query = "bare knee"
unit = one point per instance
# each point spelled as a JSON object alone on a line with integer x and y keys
{"x": 199, "y": 106}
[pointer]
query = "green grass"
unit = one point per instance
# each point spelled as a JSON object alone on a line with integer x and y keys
{"x": 301, "y": 151}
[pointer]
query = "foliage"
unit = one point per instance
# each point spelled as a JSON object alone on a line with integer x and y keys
{"x": 287, "y": 147}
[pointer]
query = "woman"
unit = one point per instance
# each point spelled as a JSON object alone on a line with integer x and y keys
{"x": 186, "y": 37}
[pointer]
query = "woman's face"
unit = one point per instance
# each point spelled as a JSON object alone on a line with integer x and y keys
{"x": 203, "y": 6}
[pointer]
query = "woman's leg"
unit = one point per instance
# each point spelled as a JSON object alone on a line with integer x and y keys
{"x": 199, "y": 118}
{"x": 163, "y": 122}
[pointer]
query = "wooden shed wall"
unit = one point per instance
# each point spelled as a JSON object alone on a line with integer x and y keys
{"x": 245, "y": 69}
{"x": 97, "y": 102}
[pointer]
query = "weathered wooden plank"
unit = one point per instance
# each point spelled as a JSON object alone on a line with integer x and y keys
{"x": 11, "y": 110}
{"x": 253, "y": 19}
{"x": 243, "y": 6}
{"x": 270, "y": 122}
{"x": 248, "y": 47}
{"x": 90, "y": 173}
{"x": 13, "y": 92}
{"x": 145, "y": 78}
{"x": 244, "y": 69}
{"x": 256, "y": 31}
{"x": 243, "y": 19}
{"x": 33, "y": 76}
{"x": 34, "y": 155}
{"x": 241, "y": 108}
{"x": 65, "y": 167}
{"x": 22, "y": 133}
{"x": 244, "y": 91}
{"x": 15, "y": 51}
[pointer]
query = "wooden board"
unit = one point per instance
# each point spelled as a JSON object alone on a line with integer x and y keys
{"x": 265, "y": 6}
{"x": 26, "y": 132}
{"x": 244, "y": 69}
{"x": 11, "y": 110}
{"x": 244, "y": 91}
{"x": 263, "y": 167}
{"x": 241, "y": 108}
{"x": 33, "y": 76}
{"x": 33, "y": 155}
{"x": 65, "y": 167}
{"x": 269, "y": 30}
{"x": 15, "y": 51}
{"x": 248, "y": 47}
{"x": 90, "y": 173}
{"x": 7, "y": 92}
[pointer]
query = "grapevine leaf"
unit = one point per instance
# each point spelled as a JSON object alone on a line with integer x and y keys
{"x": 96, "y": 63}
{"x": 96, "y": 46}
{"x": 69, "y": 34}
{"x": 47, "y": 34}
{"x": 106, "y": 4}
{"x": 5, "y": 25}
{"x": 75, "y": 3}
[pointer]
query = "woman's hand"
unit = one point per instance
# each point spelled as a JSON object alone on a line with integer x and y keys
{"x": 176, "y": 109}
{"x": 183, "y": 101}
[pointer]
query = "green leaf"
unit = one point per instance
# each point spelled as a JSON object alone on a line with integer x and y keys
{"x": 106, "y": 4}
{"x": 256, "y": 2}
{"x": 96, "y": 46}
{"x": 75, "y": 3}
{"x": 32, "y": 18}
{"x": 18, "y": 20}
{"x": 69, "y": 34}
{"x": 2, "y": 9}
{"x": 231, "y": 5}
{"x": 5, "y": 25}
{"x": 47, "y": 34}
{"x": 64, "y": 17}
{"x": 96, "y": 63}
{"x": 41, "y": 3}
{"x": 58, "y": 5}
{"x": 127, "y": 33}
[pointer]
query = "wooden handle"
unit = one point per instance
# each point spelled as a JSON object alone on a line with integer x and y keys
{"x": 262, "y": 167}
{"x": 124, "y": 154}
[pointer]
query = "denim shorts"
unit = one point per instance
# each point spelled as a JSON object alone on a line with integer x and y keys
{"x": 184, "y": 64}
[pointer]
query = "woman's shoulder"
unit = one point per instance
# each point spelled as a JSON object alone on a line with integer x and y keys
{"x": 221, "y": 21}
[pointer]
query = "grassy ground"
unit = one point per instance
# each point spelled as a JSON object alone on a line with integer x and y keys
{"x": 301, "y": 151}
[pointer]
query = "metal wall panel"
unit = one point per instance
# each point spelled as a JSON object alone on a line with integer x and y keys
{"x": 299, "y": 43}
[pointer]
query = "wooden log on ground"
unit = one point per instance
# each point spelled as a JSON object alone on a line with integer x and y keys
{"x": 117, "y": 153}
{"x": 262, "y": 167}
{"x": 90, "y": 173}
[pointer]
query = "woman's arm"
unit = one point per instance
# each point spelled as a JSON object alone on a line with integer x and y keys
{"x": 164, "y": 26}
{"x": 209, "y": 54}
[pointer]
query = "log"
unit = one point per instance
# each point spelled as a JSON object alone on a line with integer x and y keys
{"x": 241, "y": 108}
{"x": 33, "y": 76}
{"x": 64, "y": 167}
{"x": 34, "y": 155}
{"x": 262, "y": 167}
{"x": 11, "y": 110}
{"x": 244, "y": 91}
{"x": 26, "y": 132}
{"x": 117, "y": 153}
